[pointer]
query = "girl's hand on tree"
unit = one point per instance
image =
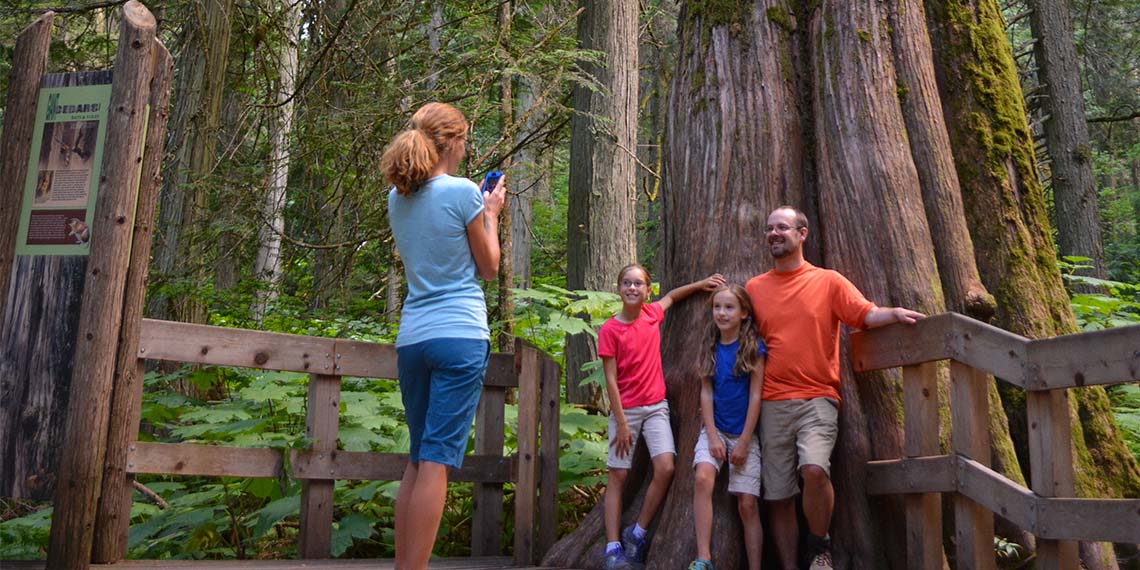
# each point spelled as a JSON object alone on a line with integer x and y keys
{"x": 494, "y": 198}
{"x": 716, "y": 447}
{"x": 739, "y": 453}
{"x": 623, "y": 440}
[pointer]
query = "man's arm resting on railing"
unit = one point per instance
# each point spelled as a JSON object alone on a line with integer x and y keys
{"x": 880, "y": 316}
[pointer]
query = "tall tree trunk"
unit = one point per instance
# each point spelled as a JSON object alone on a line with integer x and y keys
{"x": 1066, "y": 132}
{"x": 267, "y": 268}
{"x": 530, "y": 179}
{"x": 603, "y": 138}
{"x": 506, "y": 120}
{"x": 192, "y": 141}
{"x": 993, "y": 154}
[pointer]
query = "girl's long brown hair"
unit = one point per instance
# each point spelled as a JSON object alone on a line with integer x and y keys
{"x": 749, "y": 338}
{"x": 413, "y": 154}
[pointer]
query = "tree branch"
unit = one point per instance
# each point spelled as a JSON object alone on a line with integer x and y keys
{"x": 1116, "y": 119}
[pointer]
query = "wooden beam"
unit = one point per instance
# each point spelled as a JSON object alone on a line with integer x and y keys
{"x": 916, "y": 475}
{"x": 203, "y": 344}
{"x": 321, "y": 424}
{"x": 970, "y": 411}
{"x": 893, "y": 346}
{"x": 29, "y": 60}
{"x": 487, "y": 500}
{"x": 1107, "y": 520}
{"x": 1109, "y": 356}
{"x": 549, "y": 450}
{"x": 529, "y": 368}
{"x": 112, "y": 520}
{"x": 368, "y": 466}
{"x": 364, "y": 359}
{"x": 990, "y": 349}
{"x": 85, "y": 438}
{"x": 923, "y": 512}
{"x": 204, "y": 460}
{"x": 997, "y": 493}
{"x": 1051, "y": 466}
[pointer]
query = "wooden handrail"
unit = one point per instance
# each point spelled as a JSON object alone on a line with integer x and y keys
{"x": 1046, "y": 369}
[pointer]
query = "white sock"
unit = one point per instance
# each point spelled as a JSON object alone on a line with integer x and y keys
{"x": 638, "y": 532}
{"x": 612, "y": 547}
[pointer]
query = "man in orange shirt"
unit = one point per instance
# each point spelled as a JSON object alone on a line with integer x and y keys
{"x": 798, "y": 308}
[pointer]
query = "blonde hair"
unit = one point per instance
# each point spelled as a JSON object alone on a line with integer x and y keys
{"x": 413, "y": 154}
{"x": 746, "y": 357}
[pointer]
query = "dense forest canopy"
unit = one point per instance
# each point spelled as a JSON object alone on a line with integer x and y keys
{"x": 273, "y": 212}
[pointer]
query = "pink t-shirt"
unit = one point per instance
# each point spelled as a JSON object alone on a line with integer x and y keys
{"x": 637, "y": 348}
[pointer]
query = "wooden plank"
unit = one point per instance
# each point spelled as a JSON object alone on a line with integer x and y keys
{"x": 997, "y": 493}
{"x": 1110, "y": 356}
{"x": 915, "y": 475}
{"x": 501, "y": 371}
{"x": 204, "y": 460}
{"x": 923, "y": 512}
{"x": 487, "y": 507}
{"x": 990, "y": 349}
{"x": 549, "y": 448}
{"x": 85, "y": 438}
{"x": 202, "y": 344}
{"x": 321, "y": 424}
{"x": 112, "y": 519}
{"x": 365, "y": 359}
{"x": 488, "y": 562}
{"x": 368, "y": 466}
{"x": 893, "y": 346}
{"x": 1051, "y": 465}
{"x": 29, "y": 60}
{"x": 1108, "y": 520}
{"x": 970, "y": 411}
{"x": 530, "y": 370}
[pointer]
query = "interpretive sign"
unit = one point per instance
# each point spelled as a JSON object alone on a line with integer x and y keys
{"x": 64, "y": 166}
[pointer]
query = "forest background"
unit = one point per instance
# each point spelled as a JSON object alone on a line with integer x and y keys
{"x": 272, "y": 216}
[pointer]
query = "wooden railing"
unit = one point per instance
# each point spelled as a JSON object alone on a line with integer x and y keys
{"x": 533, "y": 468}
{"x": 1045, "y": 369}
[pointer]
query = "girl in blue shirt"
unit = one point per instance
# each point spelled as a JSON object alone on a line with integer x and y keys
{"x": 732, "y": 371}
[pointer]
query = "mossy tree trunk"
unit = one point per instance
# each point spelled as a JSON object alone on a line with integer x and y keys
{"x": 1005, "y": 208}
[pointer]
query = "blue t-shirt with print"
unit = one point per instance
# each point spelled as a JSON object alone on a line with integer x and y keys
{"x": 430, "y": 227}
{"x": 730, "y": 390}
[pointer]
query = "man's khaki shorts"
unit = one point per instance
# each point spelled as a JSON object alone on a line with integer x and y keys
{"x": 651, "y": 421}
{"x": 742, "y": 479}
{"x": 791, "y": 432}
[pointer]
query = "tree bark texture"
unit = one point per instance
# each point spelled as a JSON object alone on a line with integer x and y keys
{"x": 833, "y": 107}
{"x": 179, "y": 248}
{"x": 530, "y": 179}
{"x": 1066, "y": 132}
{"x": 603, "y": 140}
{"x": 267, "y": 267}
{"x": 506, "y": 232}
{"x": 29, "y": 60}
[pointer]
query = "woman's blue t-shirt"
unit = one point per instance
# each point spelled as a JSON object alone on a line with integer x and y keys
{"x": 430, "y": 227}
{"x": 730, "y": 391}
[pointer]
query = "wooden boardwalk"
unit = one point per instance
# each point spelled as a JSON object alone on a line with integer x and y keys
{"x": 475, "y": 563}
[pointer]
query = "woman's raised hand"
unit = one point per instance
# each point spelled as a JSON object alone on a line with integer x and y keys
{"x": 494, "y": 198}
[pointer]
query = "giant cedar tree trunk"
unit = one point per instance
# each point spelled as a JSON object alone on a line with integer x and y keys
{"x": 1005, "y": 207}
{"x": 603, "y": 136}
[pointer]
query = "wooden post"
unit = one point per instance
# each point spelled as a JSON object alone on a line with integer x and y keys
{"x": 28, "y": 64}
{"x": 112, "y": 520}
{"x": 550, "y": 445}
{"x": 85, "y": 439}
{"x": 923, "y": 512}
{"x": 1051, "y": 467}
{"x": 322, "y": 422}
{"x": 970, "y": 410}
{"x": 529, "y": 367}
{"x": 487, "y": 507}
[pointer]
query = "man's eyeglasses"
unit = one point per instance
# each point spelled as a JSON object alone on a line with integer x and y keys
{"x": 782, "y": 228}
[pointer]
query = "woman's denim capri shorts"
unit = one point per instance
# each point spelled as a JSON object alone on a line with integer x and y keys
{"x": 441, "y": 380}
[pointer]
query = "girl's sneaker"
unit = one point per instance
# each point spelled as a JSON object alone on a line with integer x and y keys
{"x": 701, "y": 564}
{"x": 617, "y": 561}
{"x": 635, "y": 548}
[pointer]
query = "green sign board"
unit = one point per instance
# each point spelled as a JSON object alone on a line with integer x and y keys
{"x": 63, "y": 170}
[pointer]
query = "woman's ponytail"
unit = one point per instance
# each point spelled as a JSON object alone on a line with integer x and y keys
{"x": 409, "y": 160}
{"x": 414, "y": 154}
